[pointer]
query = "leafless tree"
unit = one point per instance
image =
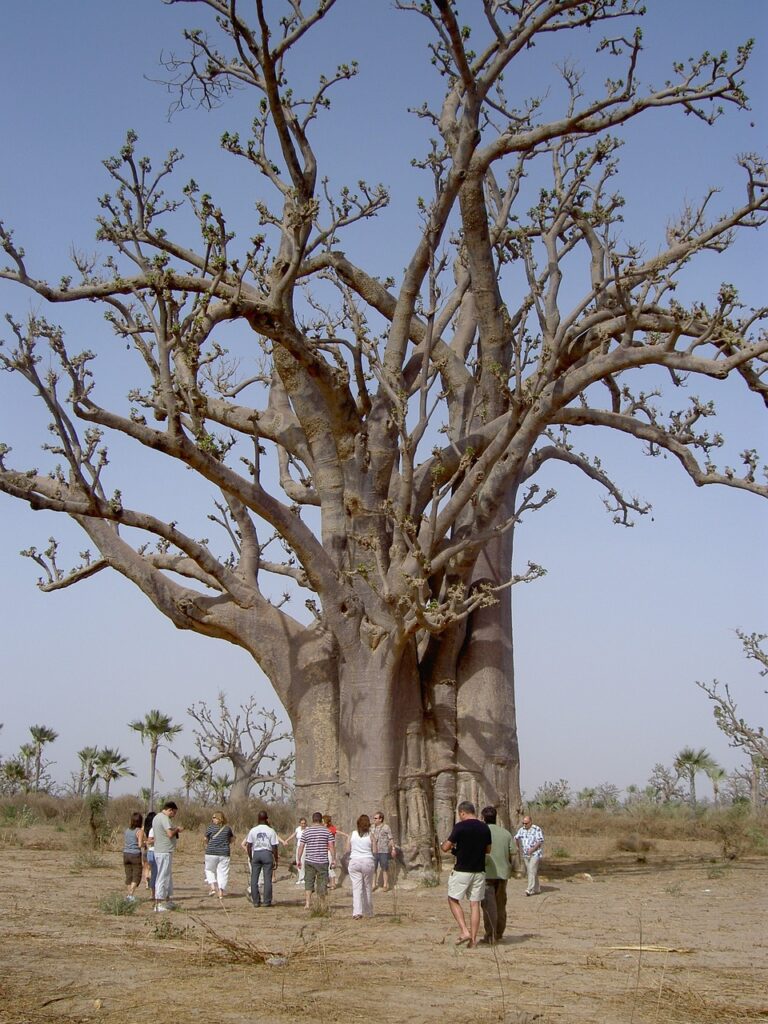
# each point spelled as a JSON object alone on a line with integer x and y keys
{"x": 372, "y": 442}
{"x": 247, "y": 740}
{"x": 749, "y": 738}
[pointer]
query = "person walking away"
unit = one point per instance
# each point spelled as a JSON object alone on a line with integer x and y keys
{"x": 362, "y": 868}
{"x": 385, "y": 849}
{"x": 498, "y": 868}
{"x": 469, "y": 841}
{"x": 262, "y": 845}
{"x": 133, "y": 843}
{"x": 530, "y": 843}
{"x": 166, "y": 837}
{"x": 218, "y": 837}
{"x": 316, "y": 852}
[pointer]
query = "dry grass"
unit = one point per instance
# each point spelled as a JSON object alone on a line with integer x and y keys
{"x": 671, "y": 1004}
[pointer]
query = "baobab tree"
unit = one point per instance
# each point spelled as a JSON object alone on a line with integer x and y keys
{"x": 155, "y": 728}
{"x": 373, "y": 440}
{"x": 248, "y": 740}
{"x": 747, "y": 736}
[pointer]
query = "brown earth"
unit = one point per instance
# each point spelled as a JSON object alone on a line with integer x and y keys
{"x": 571, "y": 954}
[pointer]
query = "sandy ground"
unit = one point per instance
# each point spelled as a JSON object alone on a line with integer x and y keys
{"x": 570, "y": 954}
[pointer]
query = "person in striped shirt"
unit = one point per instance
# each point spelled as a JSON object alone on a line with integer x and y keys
{"x": 316, "y": 852}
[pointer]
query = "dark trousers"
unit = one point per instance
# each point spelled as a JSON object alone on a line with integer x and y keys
{"x": 495, "y": 908}
{"x": 261, "y": 860}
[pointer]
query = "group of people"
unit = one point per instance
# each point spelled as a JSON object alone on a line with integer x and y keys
{"x": 484, "y": 853}
{"x": 484, "y": 861}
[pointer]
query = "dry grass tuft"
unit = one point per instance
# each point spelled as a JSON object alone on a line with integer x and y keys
{"x": 633, "y": 843}
{"x": 673, "y": 1005}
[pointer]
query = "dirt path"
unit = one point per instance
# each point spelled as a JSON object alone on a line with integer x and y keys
{"x": 62, "y": 959}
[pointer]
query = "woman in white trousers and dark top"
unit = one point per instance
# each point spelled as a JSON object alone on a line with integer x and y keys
{"x": 362, "y": 867}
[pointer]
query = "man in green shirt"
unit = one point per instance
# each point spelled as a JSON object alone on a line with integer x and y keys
{"x": 498, "y": 868}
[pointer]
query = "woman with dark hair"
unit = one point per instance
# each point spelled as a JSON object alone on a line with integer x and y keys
{"x": 133, "y": 841}
{"x": 150, "y": 873}
{"x": 362, "y": 867}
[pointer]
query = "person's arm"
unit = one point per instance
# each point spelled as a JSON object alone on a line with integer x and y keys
{"x": 299, "y": 853}
{"x": 450, "y": 843}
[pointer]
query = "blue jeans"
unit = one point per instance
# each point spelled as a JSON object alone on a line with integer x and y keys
{"x": 261, "y": 860}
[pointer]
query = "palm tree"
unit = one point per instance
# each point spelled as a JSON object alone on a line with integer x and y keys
{"x": 689, "y": 762}
{"x": 716, "y": 775}
{"x": 26, "y": 758}
{"x": 111, "y": 765}
{"x": 193, "y": 772}
{"x": 41, "y": 734}
{"x": 155, "y": 727}
{"x": 15, "y": 776}
{"x": 220, "y": 787}
{"x": 88, "y": 757}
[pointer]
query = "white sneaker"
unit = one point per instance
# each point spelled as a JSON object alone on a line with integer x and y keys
{"x": 161, "y": 909}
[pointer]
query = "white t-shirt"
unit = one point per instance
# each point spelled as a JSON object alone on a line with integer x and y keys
{"x": 262, "y": 837}
{"x": 360, "y": 847}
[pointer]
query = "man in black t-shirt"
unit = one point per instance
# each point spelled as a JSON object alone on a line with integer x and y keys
{"x": 469, "y": 842}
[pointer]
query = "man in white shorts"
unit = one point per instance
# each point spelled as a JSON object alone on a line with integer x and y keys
{"x": 469, "y": 842}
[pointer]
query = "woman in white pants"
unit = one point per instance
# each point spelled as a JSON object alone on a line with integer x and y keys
{"x": 362, "y": 867}
{"x": 218, "y": 837}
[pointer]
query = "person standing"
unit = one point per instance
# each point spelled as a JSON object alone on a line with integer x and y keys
{"x": 218, "y": 837}
{"x": 498, "y": 868}
{"x": 530, "y": 843}
{"x": 298, "y": 836}
{"x": 469, "y": 841}
{"x": 316, "y": 852}
{"x": 262, "y": 845}
{"x": 133, "y": 844}
{"x": 384, "y": 842}
{"x": 362, "y": 868}
{"x": 166, "y": 836}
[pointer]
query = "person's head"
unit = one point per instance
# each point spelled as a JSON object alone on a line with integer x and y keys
{"x": 363, "y": 825}
{"x": 148, "y": 820}
{"x": 327, "y": 820}
{"x": 466, "y": 809}
{"x": 317, "y": 818}
{"x": 170, "y": 808}
{"x": 378, "y": 818}
{"x": 527, "y": 821}
{"x": 218, "y": 818}
{"x": 489, "y": 815}
{"x": 136, "y": 820}
{"x": 302, "y": 822}
{"x": 263, "y": 817}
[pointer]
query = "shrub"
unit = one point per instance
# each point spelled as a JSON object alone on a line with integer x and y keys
{"x": 117, "y": 905}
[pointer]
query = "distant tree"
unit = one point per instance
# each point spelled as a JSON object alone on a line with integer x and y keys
{"x": 689, "y": 762}
{"x": 111, "y": 765}
{"x": 607, "y": 795}
{"x": 220, "y": 787}
{"x": 155, "y": 728}
{"x": 586, "y": 797}
{"x": 553, "y": 795}
{"x": 664, "y": 785}
{"x": 41, "y": 735}
{"x": 194, "y": 775}
{"x": 26, "y": 756}
{"x": 750, "y": 738}
{"x": 717, "y": 776}
{"x": 247, "y": 740}
{"x": 15, "y": 775}
{"x": 88, "y": 775}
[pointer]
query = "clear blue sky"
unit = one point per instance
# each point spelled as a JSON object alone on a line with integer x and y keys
{"x": 610, "y": 642}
